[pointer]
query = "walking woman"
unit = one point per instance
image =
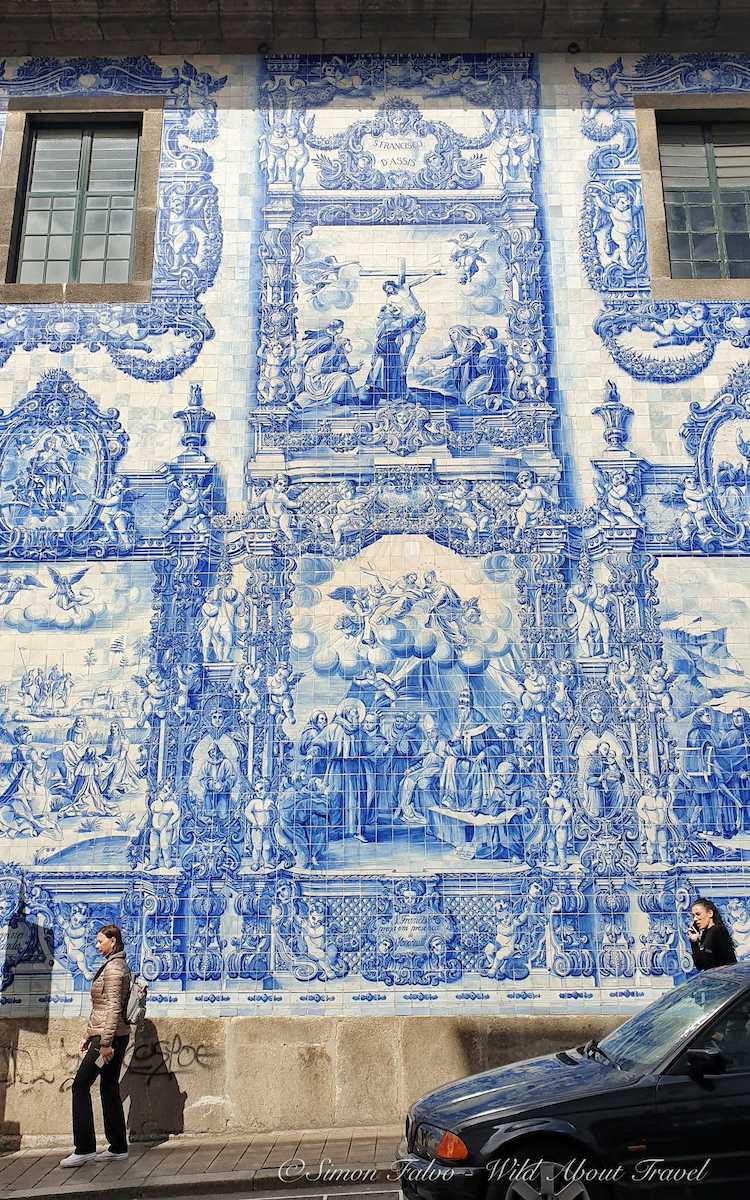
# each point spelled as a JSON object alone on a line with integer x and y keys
{"x": 103, "y": 1049}
{"x": 710, "y": 940}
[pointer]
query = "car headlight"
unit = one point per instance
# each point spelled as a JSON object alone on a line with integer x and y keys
{"x": 432, "y": 1142}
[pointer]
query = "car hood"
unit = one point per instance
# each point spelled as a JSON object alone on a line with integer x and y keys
{"x": 535, "y": 1083}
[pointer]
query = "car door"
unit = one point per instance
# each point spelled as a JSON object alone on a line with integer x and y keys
{"x": 704, "y": 1125}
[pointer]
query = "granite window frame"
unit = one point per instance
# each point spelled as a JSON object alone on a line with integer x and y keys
{"x": 20, "y": 118}
{"x": 648, "y": 108}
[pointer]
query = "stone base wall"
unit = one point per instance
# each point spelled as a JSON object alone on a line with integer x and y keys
{"x": 250, "y": 1075}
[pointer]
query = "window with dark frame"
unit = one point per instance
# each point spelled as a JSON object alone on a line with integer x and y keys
{"x": 79, "y": 204}
{"x": 705, "y": 167}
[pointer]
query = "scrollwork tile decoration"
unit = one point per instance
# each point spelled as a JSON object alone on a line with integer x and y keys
{"x": 663, "y": 342}
{"x": 139, "y": 338}
{"x": 410, "y": 725}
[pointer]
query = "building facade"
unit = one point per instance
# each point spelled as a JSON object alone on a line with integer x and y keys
{"x": 374, "y": 592}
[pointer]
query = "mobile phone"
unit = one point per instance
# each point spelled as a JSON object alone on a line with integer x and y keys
{"x": 99, "y": 1062}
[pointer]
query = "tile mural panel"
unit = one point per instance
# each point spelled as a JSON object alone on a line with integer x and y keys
{"x": 409, "y": 727}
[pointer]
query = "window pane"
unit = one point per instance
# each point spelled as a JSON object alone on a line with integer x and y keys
{"x": 706, "y": 246}
{"x": 732, "y": 152}
{"x": 31, "y": 272}
{"x": 734, "y": 216}
{"x": 93, "y": 246}
{"x": 120, "y": 221}
{"x": 36, "y": 222}
{"x": 707, "y": 270}
{"x": 682, "y": 270}
{"x": 97, "y": 202}
{"x": 57, "y": 272}
{"x": 679, "y": 245}
{"x": 119, "y": 246}
{"x": 59, "y": 247}
{"x": 96, "y": 221}
{"x": 117, "y": 272}
{"x": 56, "y": 160}
{"x": 684, "y": 162}
{"x": 34, "y": 247}
{"x": 676, "y": 216}
{"x": 62, "y": 220}
{"x": 702, "y": 219}
{"x": 738, "y": 245}
{"x": 91, "y": 272}
{"x": 739, "y": 270}
{"x": 114, "y": 158}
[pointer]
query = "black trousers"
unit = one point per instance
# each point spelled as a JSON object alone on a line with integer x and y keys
{"x": 84, "y": 1138}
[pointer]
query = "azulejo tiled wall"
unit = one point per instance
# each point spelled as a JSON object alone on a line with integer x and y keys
{"x": 405, "y": 667}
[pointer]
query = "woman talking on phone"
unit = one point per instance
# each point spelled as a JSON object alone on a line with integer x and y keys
{"x": 103, "y": 1049}
{"x": 710, "y": 940}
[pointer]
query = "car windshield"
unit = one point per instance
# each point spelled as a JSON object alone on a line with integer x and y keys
{"x": 648, "y": 1037}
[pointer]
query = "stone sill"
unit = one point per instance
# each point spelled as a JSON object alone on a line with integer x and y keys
{"x": 138, "y": 292}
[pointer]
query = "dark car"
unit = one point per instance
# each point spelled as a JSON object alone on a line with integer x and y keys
{"x": 659, "y": 1108}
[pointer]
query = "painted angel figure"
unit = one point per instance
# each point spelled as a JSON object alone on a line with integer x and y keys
{"x": 657, "y": 681}
{"x": 278, "y": 506}
{"x": 279, "y": 684}
{"x": 356, "y": 621}
{"x": 656, "y": 819}
{"x": 624, "y": 677}
{"x": 250, "y": 677}
{"x": 347, "y": 512}
{"x": 557, "y": 814}
{"x": 156, "y": 699}
{"x": 317, "y": 273}
{"x": 283, "y": 149}
{"x": 530, "y": 499}
{"x": 465, "y": 508}
{"x": 615, "y": 225}
{"x": 115, "y": 512}
{"x": 589, "y": 618}
{"x": 75, "y": 935}
{"x": 563, "y": 678}
{"x": 187, "y": 678}
{"x": 604, "y": 87}
{"x": 188, "y": 215}
{"x": 535, "y": 690}
{"x": 683, "y": 325}
{"x": 63, "y": 592}
{"x": 189, "y": 505}
{"x": 498, "y": 153}
{"x": 468, "y": 255}
{"x": 617, "y": 507}
{"x": 503, "y": 953}
{"x": 695, "y": 521}
{"x": 13, "y": 583}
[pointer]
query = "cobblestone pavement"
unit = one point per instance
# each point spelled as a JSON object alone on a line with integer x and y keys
{"x": 314, "y": 1163}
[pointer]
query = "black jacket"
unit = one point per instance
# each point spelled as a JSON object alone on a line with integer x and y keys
{"x": 713, "y": 949}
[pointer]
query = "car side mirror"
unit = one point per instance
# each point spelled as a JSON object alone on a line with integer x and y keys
{"x": 705, "y": 1062}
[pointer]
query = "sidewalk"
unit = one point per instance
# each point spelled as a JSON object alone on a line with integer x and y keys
{"x": 207, "y": 1166}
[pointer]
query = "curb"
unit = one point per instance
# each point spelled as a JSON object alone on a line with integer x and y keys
{"x": 208, "y": 1185}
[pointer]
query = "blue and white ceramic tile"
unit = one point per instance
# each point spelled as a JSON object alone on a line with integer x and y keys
{"x": 406, "y": 669}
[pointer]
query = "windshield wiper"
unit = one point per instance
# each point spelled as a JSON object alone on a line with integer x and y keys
{"x": 592, "y": 1047}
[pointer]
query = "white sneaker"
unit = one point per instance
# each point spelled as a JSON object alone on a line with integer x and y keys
{"x": 110, "y": 1156}
{"x": 77, "y": 1160}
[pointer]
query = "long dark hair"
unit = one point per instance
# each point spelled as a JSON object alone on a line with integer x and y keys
{"x": 113, "y": 931}
{"x": 718, "y": 920}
